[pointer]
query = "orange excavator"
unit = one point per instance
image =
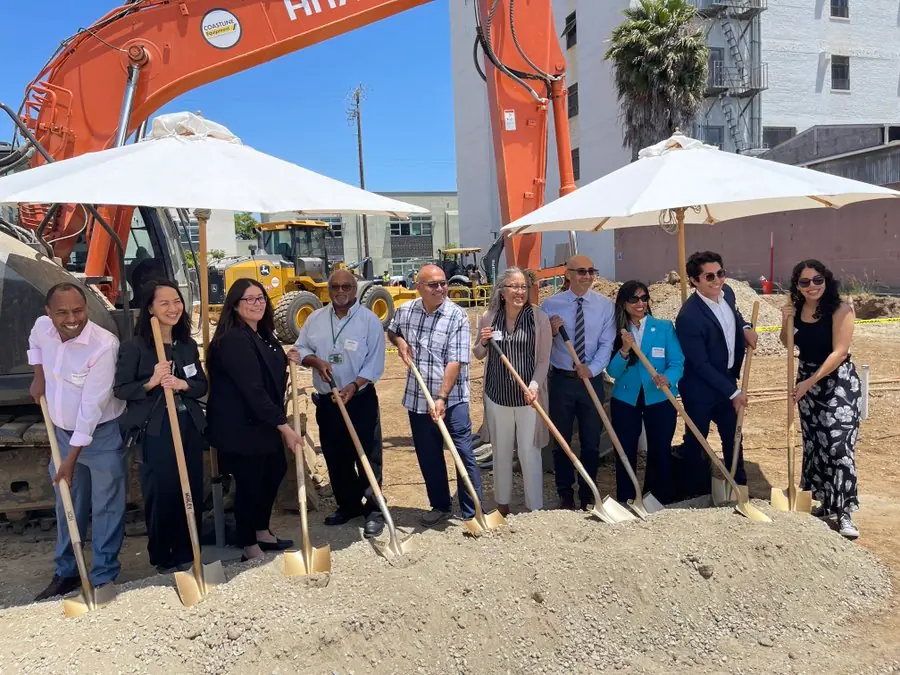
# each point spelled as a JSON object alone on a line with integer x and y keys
{"x": 104, "y": 83}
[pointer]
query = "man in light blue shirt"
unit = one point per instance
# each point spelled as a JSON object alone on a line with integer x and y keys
{"x": 589, "y": 319}
{"x": 346, "y": 341}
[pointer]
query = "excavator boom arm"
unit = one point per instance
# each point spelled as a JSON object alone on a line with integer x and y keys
{"x": 164, "y": 48}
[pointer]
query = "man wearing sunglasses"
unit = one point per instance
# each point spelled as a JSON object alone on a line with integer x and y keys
{"x": 434, "y": 333}
{"x": 345, "y": 341}
{"x": 589, "y": 319}
{"x": 713, "y": 336}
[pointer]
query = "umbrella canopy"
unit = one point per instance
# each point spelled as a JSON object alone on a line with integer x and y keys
{"x": 703, "y": 183}
{"x": 189, "y": 162}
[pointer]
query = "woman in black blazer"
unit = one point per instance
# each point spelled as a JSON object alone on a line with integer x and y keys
{"x": 140, "y": 381}
{"x": 247, "y": 422}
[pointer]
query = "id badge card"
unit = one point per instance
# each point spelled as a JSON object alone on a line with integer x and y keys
{"x": 335, "y": 358}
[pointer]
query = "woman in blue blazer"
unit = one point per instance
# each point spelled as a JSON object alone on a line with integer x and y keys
{"x": 637, "y": 399}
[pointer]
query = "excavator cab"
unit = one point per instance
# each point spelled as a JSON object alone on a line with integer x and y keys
{"x": 467, "y": 285}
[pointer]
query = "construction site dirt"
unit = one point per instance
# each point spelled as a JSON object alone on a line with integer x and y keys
{"x": 699, "y": 590}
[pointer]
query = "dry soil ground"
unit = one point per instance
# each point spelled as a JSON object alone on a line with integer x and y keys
{"x": 553, "y": 593}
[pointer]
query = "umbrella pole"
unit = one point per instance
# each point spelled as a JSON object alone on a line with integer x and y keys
{"x": 682, "y": 264}
{"x": 203, "y": 277}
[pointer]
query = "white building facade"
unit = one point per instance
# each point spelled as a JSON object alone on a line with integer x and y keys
{"x": 776, "y": 68}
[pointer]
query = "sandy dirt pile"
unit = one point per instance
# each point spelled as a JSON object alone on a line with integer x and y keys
{"x": 876, "y": 306}
{"x": 553, "y": 592}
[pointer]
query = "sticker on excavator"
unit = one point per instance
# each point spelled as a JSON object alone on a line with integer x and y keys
{"x": 221, "y": 29}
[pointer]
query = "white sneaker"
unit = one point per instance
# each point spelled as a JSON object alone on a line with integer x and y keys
{"x": 847, "y": 528}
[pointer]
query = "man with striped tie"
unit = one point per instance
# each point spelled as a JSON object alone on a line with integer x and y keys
{"x": 589, "y": 319}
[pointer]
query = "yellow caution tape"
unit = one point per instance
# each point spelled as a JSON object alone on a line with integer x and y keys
{"x": 773, "y": 329}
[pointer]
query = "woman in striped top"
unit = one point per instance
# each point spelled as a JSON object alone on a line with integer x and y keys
{"x": 523, "y": 333}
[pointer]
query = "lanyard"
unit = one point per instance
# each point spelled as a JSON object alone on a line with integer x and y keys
{"x": 333, "y": 336}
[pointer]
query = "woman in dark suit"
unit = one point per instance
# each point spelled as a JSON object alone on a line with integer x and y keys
{"x": 247, "y": 422}
{"x": 140, "y": 381}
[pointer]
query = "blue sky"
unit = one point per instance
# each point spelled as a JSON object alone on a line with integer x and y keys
{"x": 295, "y": 107}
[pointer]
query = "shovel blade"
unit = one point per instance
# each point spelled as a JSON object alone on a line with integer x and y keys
{"x": 394, "y": 548}
{"x": 296, "y": 564}
{"x": 75, "y": 605}
{"x": 747, "y": 510}
{"x": 803, "y": 502}
{"x": 213, "y": 575}
{"x": 720, "y": 491}
{"x": 616, "y": 512}
{"x": 742, "y": 494}
{"x": 494, "y": 519}
{"x": 780, "y": 500}
{"x": 474, "y": 527}
{"x": 190, "y": 588}
{"x": 321, "y": 560}
{"x": 652, "y": 504}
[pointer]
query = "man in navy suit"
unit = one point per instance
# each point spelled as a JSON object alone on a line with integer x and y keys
{"x": 713, "y": 336}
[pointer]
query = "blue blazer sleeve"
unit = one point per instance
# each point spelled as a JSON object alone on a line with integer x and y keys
{"x": 674, "y": 356}
{"x": 616, "y": 366}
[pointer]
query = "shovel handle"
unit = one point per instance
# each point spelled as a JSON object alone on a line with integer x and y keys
{"x": 300, "y": 470}
{"x": 598, "y": 503}
{"x": 745, "y": 387}
{"x": 179, "y": 458}
{"x": 367, "y": 467}
{"x": 66, "y": 496}
{"x": 792, "y": 488}
{"x": 607, "y": 423}
{"x": 451, "y": 446}
{"x": 690, "y": 423}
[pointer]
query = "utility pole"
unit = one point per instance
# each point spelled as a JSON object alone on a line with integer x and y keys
{"x": 354, "y": 114}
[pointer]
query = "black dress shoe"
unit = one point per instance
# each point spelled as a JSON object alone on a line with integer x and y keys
{"x": 374, "y": 525}
{"x": 567, "y": 503}
{"x": 277, "y": 545}
{"x": 59, "y": 586}
{"x": 340, "y": 517}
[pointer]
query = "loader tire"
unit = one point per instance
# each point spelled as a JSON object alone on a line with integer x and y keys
{"x": 379, "y": 300}
{"x": 292, "y": 310}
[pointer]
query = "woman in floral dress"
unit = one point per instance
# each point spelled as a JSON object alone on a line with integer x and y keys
{"x": 827, "y": 391}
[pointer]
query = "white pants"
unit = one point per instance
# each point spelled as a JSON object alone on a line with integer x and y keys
{"x": 511, "y": 427}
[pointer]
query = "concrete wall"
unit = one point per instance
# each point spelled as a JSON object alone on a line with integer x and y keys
{"x": 862, "y": 240}
{"x": 798, "y": 39}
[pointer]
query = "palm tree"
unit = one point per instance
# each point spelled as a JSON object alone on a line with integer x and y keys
{"x": 660, "y": 59}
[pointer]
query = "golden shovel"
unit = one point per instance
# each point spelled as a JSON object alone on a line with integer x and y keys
{"x": 192, "y": 586}
{"x": 791, "y": 499}
{"x": 90, "y": 598}
{"x": 607, "y": 510}
{"x": 482, "y": 522}
{"x": 744, "y": 507}
{"x": 309, "y": 559}
{"x": 644, "y": 505}
{"x": 396, "y": 546}
{"x": 720, "y": 490}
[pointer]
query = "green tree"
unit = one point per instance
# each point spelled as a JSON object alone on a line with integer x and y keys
{"x": 244, "y": 224}
{"x": 660, "y": 58}
{"x": 215, "y": 254}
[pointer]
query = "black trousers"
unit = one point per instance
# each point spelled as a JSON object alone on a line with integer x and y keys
{"x": 659, "y": 420}
{"x": 696, "y": 480}
{"x": 168, "y": 541}
{"x": 257, "y": 477}
{"x": 348, "y": 480}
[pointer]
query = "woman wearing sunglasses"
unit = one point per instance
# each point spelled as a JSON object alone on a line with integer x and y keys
{"x": 247, "y": 423}
{"x": 637, "y": 398}
{"x": 827, "y": 392}
{"x": 523, "y": 333}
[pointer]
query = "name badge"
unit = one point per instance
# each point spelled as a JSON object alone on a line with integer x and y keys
{"x": 351, "y": 345}
{"x": 190, "y": 370}
{"x": 78, "y": 379}
{"x": 335, "y": 358}
{"x": 659, "y": 352}
{"x": 497, "y": 336}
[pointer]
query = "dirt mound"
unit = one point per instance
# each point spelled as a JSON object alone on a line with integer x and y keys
{"x": 553, "y": 592}
{"x": 876, "y": 306}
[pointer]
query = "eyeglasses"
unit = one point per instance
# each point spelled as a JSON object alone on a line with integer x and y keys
{"x": 517, "y": 287}
{"x": 712, "y": 276}
{"x": 434, "y": 285}
{"x": 341, "y": 287}
{"x": 817, "y": 280}
{"x": 635, "y": 299}
{"x": 254, "y": 300}
{"x": 584, "y": 271}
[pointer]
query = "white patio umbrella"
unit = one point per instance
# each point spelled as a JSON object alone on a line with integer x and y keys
{"x": 682, "y": 180}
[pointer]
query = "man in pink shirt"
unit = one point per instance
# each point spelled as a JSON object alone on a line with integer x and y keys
{"x": 74, "y": 364}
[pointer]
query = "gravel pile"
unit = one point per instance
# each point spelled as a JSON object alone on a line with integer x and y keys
{"x": 553, "y": 592}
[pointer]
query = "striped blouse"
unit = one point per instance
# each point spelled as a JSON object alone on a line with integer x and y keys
{"x": 519, "y": 348}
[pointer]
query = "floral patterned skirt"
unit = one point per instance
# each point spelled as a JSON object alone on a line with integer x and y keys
{"x": 829, "y": 418}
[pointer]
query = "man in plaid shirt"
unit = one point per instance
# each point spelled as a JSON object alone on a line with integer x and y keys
{"x": 433, "y": 333}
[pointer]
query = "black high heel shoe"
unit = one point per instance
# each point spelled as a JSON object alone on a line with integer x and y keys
{"x": 277, "y": 545}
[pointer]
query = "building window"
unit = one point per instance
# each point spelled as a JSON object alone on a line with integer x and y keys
{"x": 840, "y": 73}
{"x": 573, "y": 100}
{"x": 400, "y": 267}
{"x": 714, "y": 135}
{"x": 335, "y": 224}
{"x": 840, "y": 9}
{"x": 716, "y": 74}
{"x": 576, "y": 163}
{"x": 418, "y": 225}
{"x": 570, "y": 31}
{"x": 775, "y": 136}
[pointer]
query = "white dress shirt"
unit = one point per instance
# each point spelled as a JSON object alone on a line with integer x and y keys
{"x": 79, "y": 376}
{"x": 724, "y": 314}
{"x": 638, "y": 331}
{"x": 599, "y": 329}
{"x": 356, "y": 341}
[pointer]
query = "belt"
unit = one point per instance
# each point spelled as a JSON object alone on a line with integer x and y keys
{"x": 566, "y": 373}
